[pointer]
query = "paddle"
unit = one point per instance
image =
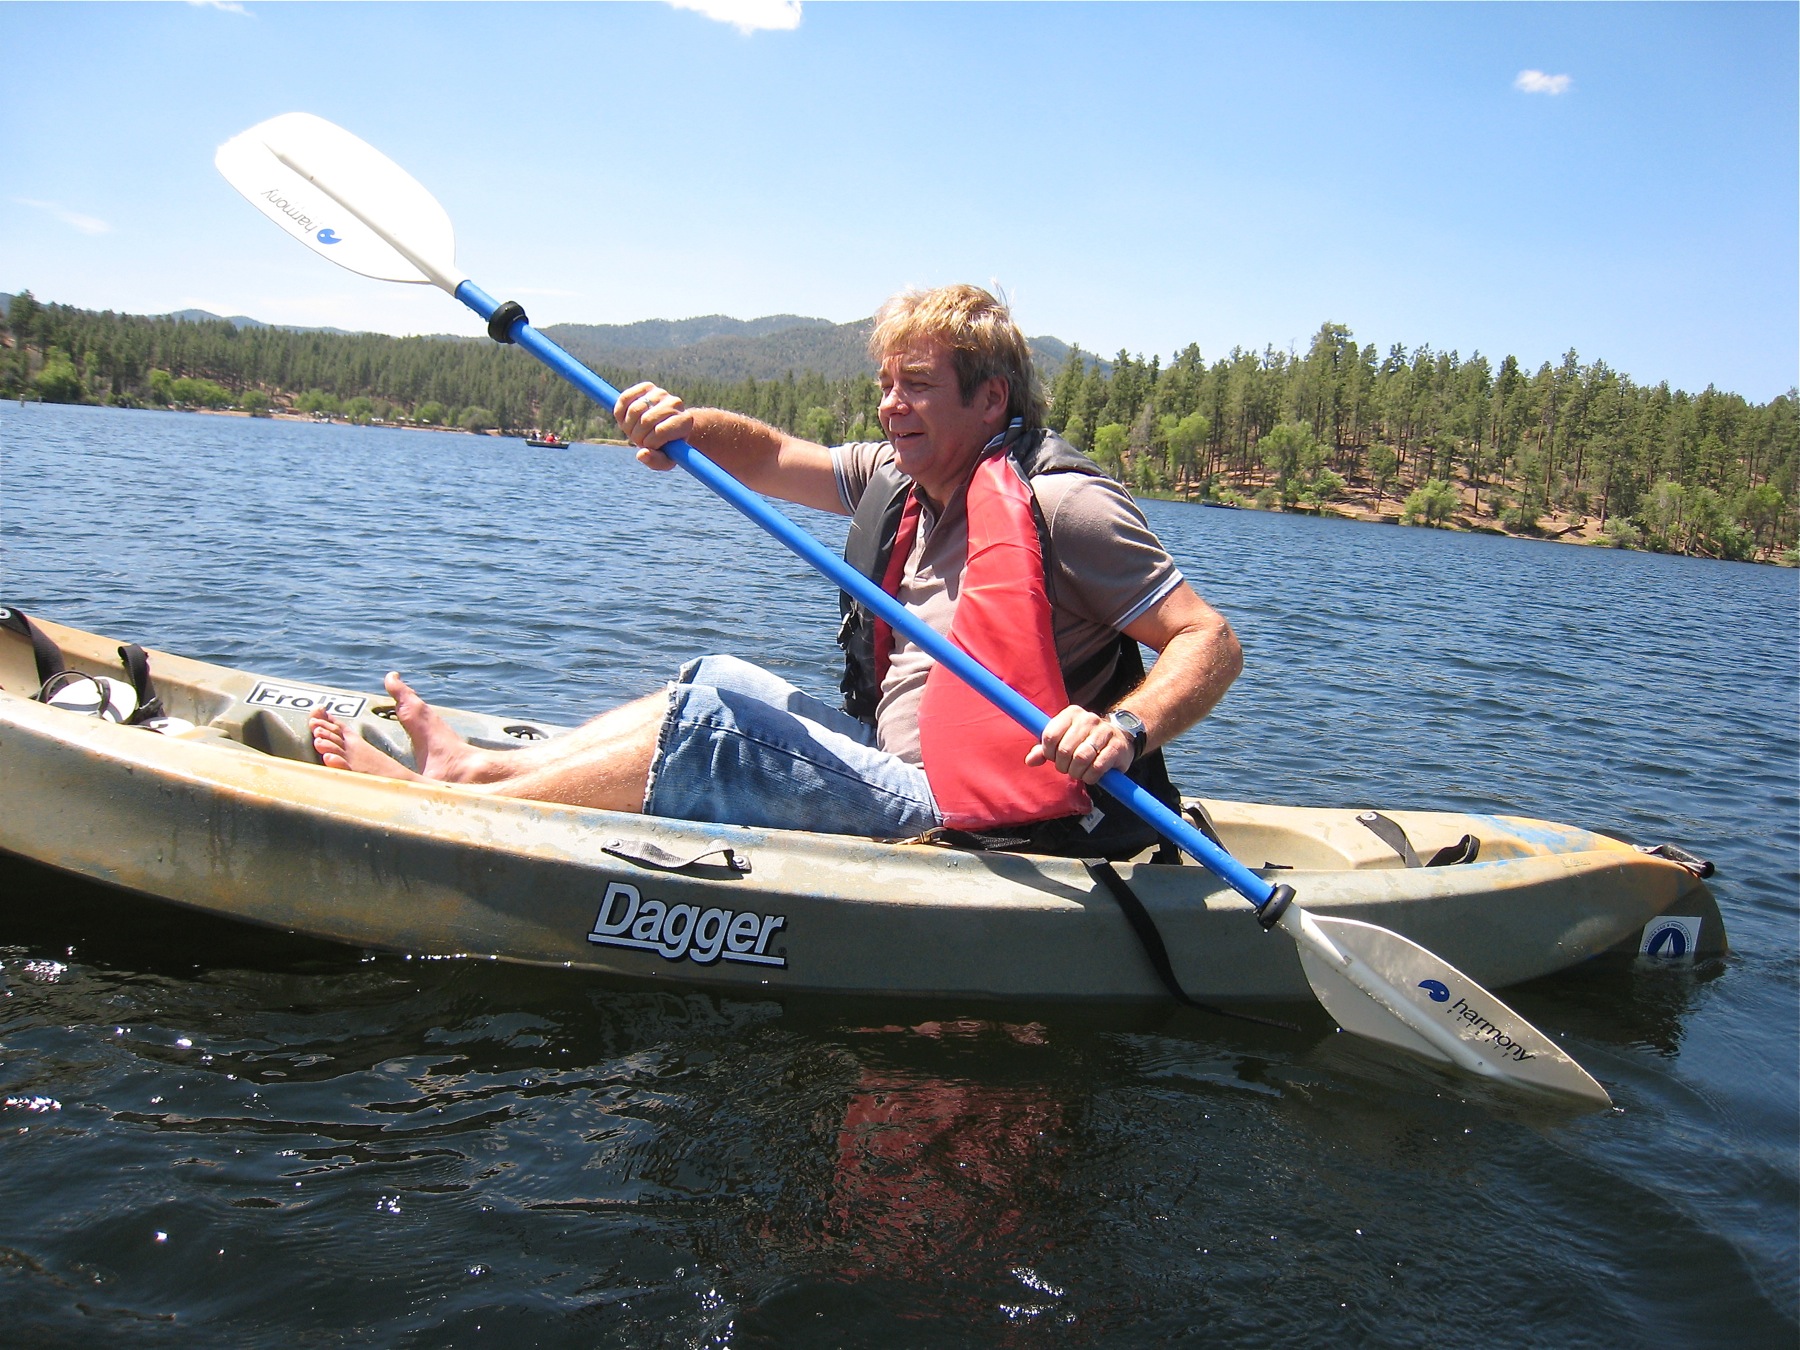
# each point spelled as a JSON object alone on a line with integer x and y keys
{"x": 348, "y": 202}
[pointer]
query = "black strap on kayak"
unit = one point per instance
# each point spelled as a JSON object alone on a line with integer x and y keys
{"x": 137, "y": 665}
{"x": 1464, "y": 850}
{"x": 43, "y": 650}
{"x": 1105, "y": 874}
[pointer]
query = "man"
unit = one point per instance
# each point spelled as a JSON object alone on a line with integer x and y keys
{"x": 979, "y": 522}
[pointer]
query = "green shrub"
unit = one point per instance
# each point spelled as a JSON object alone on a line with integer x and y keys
{"x": 1432, "y": 504}
{"x": 1621, "y": 533}
{"x": 1109, "y": 447}
{"x": 59, "y": 381}
{"x": 200, "y": 393}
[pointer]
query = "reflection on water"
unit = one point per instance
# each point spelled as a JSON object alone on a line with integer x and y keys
{"x": 211, "y": 1134}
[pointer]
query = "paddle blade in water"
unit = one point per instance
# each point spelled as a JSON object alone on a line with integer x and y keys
{"x": 343, "y": 199}
{"x": 1387, "y": 987}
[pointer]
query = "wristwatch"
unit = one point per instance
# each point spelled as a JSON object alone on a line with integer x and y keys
{"x": 1133, "y": 726}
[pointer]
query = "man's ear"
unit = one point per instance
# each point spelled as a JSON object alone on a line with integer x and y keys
{"x": 996, "y": 397}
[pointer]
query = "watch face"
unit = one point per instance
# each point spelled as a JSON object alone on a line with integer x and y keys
{"x": 1132, "y": 725}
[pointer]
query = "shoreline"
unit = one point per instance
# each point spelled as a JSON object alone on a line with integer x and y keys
{"x": 1359, "y": 504}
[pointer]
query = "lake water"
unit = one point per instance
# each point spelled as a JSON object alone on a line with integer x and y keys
{"x": 217, "y": 1135}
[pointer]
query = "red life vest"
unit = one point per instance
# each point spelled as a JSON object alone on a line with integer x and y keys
{"x": 975, "y": 754}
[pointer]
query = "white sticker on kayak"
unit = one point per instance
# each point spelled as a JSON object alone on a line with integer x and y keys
{"x": 1671, "y": 937}
{"x": 299, "y": 698}
{"x": 685, "y": 932}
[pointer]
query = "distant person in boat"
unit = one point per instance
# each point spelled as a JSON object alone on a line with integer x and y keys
{"x": 980, "y": 521}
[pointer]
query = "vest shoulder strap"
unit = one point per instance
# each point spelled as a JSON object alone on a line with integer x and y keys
{"x": 1043, "y": 451}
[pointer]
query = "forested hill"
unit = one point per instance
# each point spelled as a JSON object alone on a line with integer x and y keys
{"x": 711, "y": 347}
{"x": 1574, "y": 448}
{"x": 718, "y": 348}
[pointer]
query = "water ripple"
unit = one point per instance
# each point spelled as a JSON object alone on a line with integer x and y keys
{"x": 216, "y": 1135}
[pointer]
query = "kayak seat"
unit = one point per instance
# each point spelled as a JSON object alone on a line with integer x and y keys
{"x": 34, "y": 668}
{"x": 1386, "y": 829}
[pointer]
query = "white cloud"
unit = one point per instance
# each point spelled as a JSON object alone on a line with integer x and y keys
{"x": 229, "y": 6}
{"x": 1536, "y": 82}
{"x": 747, "y": 15}
{"x": 73, "y": 219}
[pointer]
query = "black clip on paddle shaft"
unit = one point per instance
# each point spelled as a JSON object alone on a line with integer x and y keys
{"x": 500, "y": 322}
{"x": 1269, "y": 914}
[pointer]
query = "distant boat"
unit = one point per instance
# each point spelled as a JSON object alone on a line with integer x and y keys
{"x": 1220, "y": 506}
{"x": 547, "y": 440}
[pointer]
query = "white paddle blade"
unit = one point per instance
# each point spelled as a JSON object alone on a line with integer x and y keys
{"x": 1388, "y": 988}
{"x": 343, "y": 199}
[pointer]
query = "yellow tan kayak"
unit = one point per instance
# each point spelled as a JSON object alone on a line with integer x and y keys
{"x": 225, "y": 810}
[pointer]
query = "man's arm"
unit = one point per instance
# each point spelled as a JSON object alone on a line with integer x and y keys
{"x": 761, "y": 457}
{"x": 1197, "y": 659}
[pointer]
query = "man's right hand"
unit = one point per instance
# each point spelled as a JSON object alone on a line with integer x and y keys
{"x": 651, "y": 417}
{"x": 757, "y": 455}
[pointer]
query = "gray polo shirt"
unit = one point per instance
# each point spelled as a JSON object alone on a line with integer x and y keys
{"x": 1107, "y": 568}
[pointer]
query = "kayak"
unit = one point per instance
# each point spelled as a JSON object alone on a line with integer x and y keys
{"x": 218, "y": 804}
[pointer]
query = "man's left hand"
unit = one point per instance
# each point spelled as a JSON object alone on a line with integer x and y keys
{"x": 1082, "y": 744}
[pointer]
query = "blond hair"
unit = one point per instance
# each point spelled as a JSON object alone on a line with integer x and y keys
{"x": 979, "y": 333}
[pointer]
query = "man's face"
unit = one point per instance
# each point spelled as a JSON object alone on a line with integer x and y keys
{"x": 936, "y": 436}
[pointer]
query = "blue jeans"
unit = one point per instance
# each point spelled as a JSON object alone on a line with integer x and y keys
{"x": 740, "y": 746}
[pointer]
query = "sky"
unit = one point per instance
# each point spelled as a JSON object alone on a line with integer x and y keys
{"x": 1617, "y": 179}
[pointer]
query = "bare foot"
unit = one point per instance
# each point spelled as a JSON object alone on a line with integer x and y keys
{"x": 438, "y": 751}
{"x": 340, "y": 748}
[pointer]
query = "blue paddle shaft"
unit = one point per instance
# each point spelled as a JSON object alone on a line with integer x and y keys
{"x": 1026, "y": 713}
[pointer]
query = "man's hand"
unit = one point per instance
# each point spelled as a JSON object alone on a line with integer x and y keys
{"x": 1197, "y": 659}
{"x": 1082, "y": 744}
{"x": 651, "y": 417}
{"x": 757, "y": 455}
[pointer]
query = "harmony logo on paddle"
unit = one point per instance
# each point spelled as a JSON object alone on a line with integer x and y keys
{"x": 1486, "y": 1030}
{"x": 298, "y": 698}
{"x": 678, "y": 932}
{"x": 328, "y": 236}
{"x": 292, "y": 210}
{"x": 1436, "y": 988}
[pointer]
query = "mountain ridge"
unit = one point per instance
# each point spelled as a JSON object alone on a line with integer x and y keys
{"x": 703, "y": 347}
{"x": 748, "y": 349}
